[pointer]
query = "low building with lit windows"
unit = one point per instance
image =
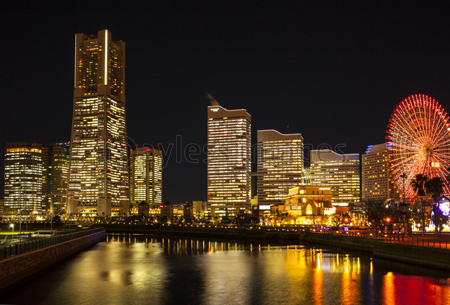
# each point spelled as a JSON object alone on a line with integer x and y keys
{"x": 309, "y": 205}
{"x": 377, "y": 180}
{"x": 23, "y": 178}
{"x": 341, "y": 172}
{"x": 55, "y": 160}
{"x": 280, "y": 166}
{"x": 146, "y": 176}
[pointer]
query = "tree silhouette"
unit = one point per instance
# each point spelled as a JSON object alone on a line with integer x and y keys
{"x": 418, "y": 185}
{"x": 435, "y": 188}
{"x": 377, "y": 213}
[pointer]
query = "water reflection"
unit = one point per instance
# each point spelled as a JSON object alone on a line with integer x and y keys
{"x": 144, "y": 269}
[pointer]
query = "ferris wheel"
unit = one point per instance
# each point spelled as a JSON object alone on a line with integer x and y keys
{"x": 418, "y": 141}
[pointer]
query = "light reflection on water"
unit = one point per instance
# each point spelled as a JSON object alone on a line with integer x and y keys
{"x": 140, "y": 269}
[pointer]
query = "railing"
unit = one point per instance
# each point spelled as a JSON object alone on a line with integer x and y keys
{"x": 397, "y": 238}
{"x": 37, "y": 244}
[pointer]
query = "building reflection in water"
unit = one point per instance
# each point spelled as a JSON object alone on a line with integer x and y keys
{"x": 144, "y": 269}
{"x": 310, "y": 275}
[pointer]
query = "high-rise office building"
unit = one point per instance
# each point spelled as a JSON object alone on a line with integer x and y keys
{"x": 55, "y": 160}
{"x": 98, "y": 169}
{"x": 229, "y": 161}
{"x": 280, "y": 166}
{"x": 340, "y": 171}
{"x": 146, "y": 176}
{"x": 23, "y": 177}
{"x": 377, "y": 182}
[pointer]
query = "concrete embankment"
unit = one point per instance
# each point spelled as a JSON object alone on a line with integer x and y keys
{"x": 419, "y": 255}
{"x": 19, "y": 268}
{"x": 208, "y": 232}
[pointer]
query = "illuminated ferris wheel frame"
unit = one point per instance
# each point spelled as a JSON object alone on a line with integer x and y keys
{"x": 418, "y": 142}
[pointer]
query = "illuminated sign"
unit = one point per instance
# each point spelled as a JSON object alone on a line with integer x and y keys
{"x": 444, "y": 207}
{"x": 435, "y": 164}
{"x": 214, "y": 109}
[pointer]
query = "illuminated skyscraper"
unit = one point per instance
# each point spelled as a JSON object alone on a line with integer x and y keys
{"x": 146, "y": 176}
{"x": 280, "y": 166}
{"x": 340, "y": 171}
{"x": 55, "y": 160}
{"x": 229, "y": 161}
{"x": 98, "y": 173}
{"x": 23, "y": 177}
{"x": 377, "y": 182}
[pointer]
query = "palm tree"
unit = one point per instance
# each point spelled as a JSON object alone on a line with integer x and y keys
{"x": 435, "y": 188}
{"x": 418, "y": 185}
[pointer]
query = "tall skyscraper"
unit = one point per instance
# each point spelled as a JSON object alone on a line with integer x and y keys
{"x": 55, "y": 160}
{"x": 98, "y": 172}
{"x": 146, "y": 176}
{"x": 23, "y": 177}
{"x": 280, "y": 166}
{"x": 340, "y": 171}
{"x": 377, "y": 182}
{"x": 229, "y": 161}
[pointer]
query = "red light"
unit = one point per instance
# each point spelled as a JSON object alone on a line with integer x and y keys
{"x": 209, "y": 194}
{"x": 224, "y": 133}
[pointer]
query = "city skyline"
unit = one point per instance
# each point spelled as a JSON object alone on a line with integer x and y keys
{"x": 348, "y": 73}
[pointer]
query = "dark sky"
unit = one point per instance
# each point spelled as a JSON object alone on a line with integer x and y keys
{"x": 331, "y": 70}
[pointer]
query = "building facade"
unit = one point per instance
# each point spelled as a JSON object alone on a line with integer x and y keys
{"x": 377, "y": 182}
{"x": 23, "y": 178}
{"x": 229, "y": 161}
{"x": 280, "y": 166}
{"x": 339, "y": 171}
{"x": 98, "y": 169}
{"x": 146, "y": 176}
{"x": 309, "y": 205}
{"x": 55, "y": 161}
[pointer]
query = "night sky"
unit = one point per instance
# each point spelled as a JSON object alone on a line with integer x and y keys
{"x": 331, "y": 70}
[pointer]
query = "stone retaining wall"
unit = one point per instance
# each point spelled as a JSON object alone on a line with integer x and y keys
{"x": 425, "y": 256}
{"x": 16, "y": 269}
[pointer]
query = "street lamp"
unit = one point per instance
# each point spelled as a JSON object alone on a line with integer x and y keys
{"x": 404, "y": 205}
{"x": 12, "y": 227}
